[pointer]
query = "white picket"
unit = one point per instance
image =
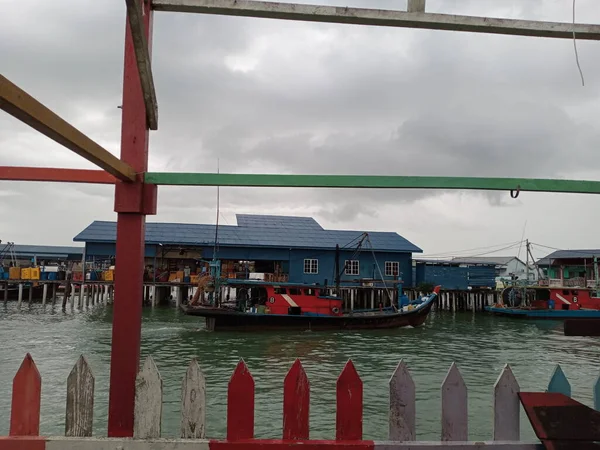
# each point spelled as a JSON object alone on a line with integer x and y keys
{"x": 80, "y": 400}
{"x": 148, "y": 402}
{"x": 193, "y": 403}
{"x": 507, "y": 407}
{"x": 402, "y": 405}
{"x": 454, "y": 407}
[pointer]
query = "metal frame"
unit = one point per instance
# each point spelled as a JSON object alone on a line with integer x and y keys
{"x": 134, "y": 198}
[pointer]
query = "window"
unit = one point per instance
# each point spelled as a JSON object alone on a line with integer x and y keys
{"x": 311, "y": 266}
{"x": 309, "y": 292}
{"x": 351, "y": 267}
{"x": 392, "y": 268}
{"x": 280, "y": 290}
{"x": 294, "y": 291}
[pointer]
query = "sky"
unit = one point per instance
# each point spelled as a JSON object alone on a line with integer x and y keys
{"x": 265, "y": 96}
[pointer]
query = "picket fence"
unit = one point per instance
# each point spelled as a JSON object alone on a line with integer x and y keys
{"x": 26, "y": 397}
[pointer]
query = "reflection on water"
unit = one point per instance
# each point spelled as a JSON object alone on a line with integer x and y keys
{"x": 479, "y": 344}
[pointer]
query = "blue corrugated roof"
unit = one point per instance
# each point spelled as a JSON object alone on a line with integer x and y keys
{"x": 245, "y": 236}
{"x": 287, "y": 222}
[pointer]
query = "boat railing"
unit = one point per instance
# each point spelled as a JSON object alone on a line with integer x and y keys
{"x": 402, "y": 433}
{"x": 579, "y": 282}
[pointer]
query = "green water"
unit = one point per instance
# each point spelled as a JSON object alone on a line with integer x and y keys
{"x": 479, "y": 344}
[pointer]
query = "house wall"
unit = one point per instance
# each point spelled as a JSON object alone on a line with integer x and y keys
{"x": 292, "y": 259}
{"x": 455, "y": 277}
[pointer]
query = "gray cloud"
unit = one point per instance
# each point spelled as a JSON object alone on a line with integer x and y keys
{"x": 265, "y": 96}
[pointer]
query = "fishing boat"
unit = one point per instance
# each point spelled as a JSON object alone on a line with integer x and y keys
{"x": 286, "y": 306}
{"x": 542, "y": 302}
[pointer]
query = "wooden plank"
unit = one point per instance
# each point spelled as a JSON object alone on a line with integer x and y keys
{"x": 240, "y": 404}
{"x": 559, "y": 383}
{"x": 193, "y": 403}
{"x": 374, "y": 182}
{"x": 416, "y": 6}
{"x": 380, "y": 17}
{"x": 24, "y": 107}
{"x": 349, "y": 405}
{"x": 142, "y": 56}
{"x": 58, "y": 443}
{"x": 296, "y": 403}
{"x": 454, "y": 407}
{"x": 507, "y": 407}
{"x": 26, "y": 398}
{"x": 80, "y": 400}
{"x": 148, "y": 402}
{"x": 55, "y": 175}
{"x": 402, "y": 416}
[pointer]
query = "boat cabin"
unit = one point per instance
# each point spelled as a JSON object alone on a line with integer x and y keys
{"x": 551, "y": 298}
{"x": 288, "y": 299}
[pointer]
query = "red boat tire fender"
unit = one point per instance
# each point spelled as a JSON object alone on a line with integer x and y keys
{"x": 335, "y": 310}
{"x": 272, "y": 300}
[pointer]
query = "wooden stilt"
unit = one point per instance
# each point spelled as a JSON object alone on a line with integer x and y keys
{"x": 20, "y": 298}
{"x": 5, "y": 293}
{"x": 44, "y": 294}
{"x": 30, "y": 294}
{"x": 54, "y": 294}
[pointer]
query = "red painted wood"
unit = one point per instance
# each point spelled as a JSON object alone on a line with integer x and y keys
{"x": 22, "y": 443}
{"x": 275, "y": 444}
{"x": 240, "y": 404}
{"x": 296, "y": 403}
{"x": 127, "y": 316}
{"x": 26, "y": 396}
{"x": 56, "y": 175}
{"x": 531, "y": 400}
{"x": 349, "y": 404}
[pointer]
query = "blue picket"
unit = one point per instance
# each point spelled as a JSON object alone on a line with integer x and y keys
{"x": 559, "y": 383}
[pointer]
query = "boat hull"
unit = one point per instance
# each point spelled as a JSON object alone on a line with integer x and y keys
{"x": 550, "y": 314}
{"x": 223, "y": 320}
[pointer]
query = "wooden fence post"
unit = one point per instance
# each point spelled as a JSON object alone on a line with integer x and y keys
{"x": 193, "y": 403}
{"x": 26, "y": 397}
{"x": 240, "y": 404}
{"x": 148, "y": 402}
{"x": 296, "y": 403}
{"x": 559, "y": 383}
{"x": 454, "y": 407}
{"x": 402, "y": 405}
{"x": 349, "y": 405}
{"x": 80, "y": 400}
{"x": 507, "y": 407}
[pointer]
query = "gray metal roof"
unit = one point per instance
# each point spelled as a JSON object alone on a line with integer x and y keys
{"x": 246, "y": 236}
{"x": 288, "y": 222}
{"x": 569, "y": 254}
{"x": 49, "y": 251}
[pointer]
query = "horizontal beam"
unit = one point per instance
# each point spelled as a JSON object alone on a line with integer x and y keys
{"x": 373, "y": 182}
{"x": 24, "y": 107}
{"x": 55, "y": 175}
{"x": 380, "y": 17}
{"x": 142, "y": 56}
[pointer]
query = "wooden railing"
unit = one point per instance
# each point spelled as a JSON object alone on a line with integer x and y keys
{"x": 26, "y": 396}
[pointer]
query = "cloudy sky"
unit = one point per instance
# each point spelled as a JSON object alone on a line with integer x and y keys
{"x": 267, "y": 96}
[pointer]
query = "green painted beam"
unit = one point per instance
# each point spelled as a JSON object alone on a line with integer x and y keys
{"x": 373, "y": 182}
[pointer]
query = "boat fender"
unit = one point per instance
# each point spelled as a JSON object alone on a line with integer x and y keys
{"x": 272, "y": 300}
{"x": 574, "y": 299}
{"x": 335, "y": 310}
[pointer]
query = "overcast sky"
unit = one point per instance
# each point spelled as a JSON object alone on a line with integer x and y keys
{"x": 267, "y": 96}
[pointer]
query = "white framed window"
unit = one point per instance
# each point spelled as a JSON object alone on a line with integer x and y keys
{"x": 311, "y": 266}
{"x": 392, "y": 268}
{"x": 352, "y": 267}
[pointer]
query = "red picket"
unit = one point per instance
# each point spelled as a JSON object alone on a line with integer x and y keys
{"x": 349, "y": 393}
{"x": 240, "y": 404}
{"x": 296, "y": 403}
{"x": 26, "y": 397}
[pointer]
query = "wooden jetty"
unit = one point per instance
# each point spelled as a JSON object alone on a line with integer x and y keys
{"x": 402, "y": 432}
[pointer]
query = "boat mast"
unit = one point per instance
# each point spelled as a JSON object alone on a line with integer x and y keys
{"x": 526, "y": 271}
{"x": 596, "y": 273}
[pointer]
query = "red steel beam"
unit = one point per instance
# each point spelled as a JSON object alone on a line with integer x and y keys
{"x": 51, "y": 174}
{"x": 131, "y": 224}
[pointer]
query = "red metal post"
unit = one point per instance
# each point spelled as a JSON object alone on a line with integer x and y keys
{"x": 131, "y": 221}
